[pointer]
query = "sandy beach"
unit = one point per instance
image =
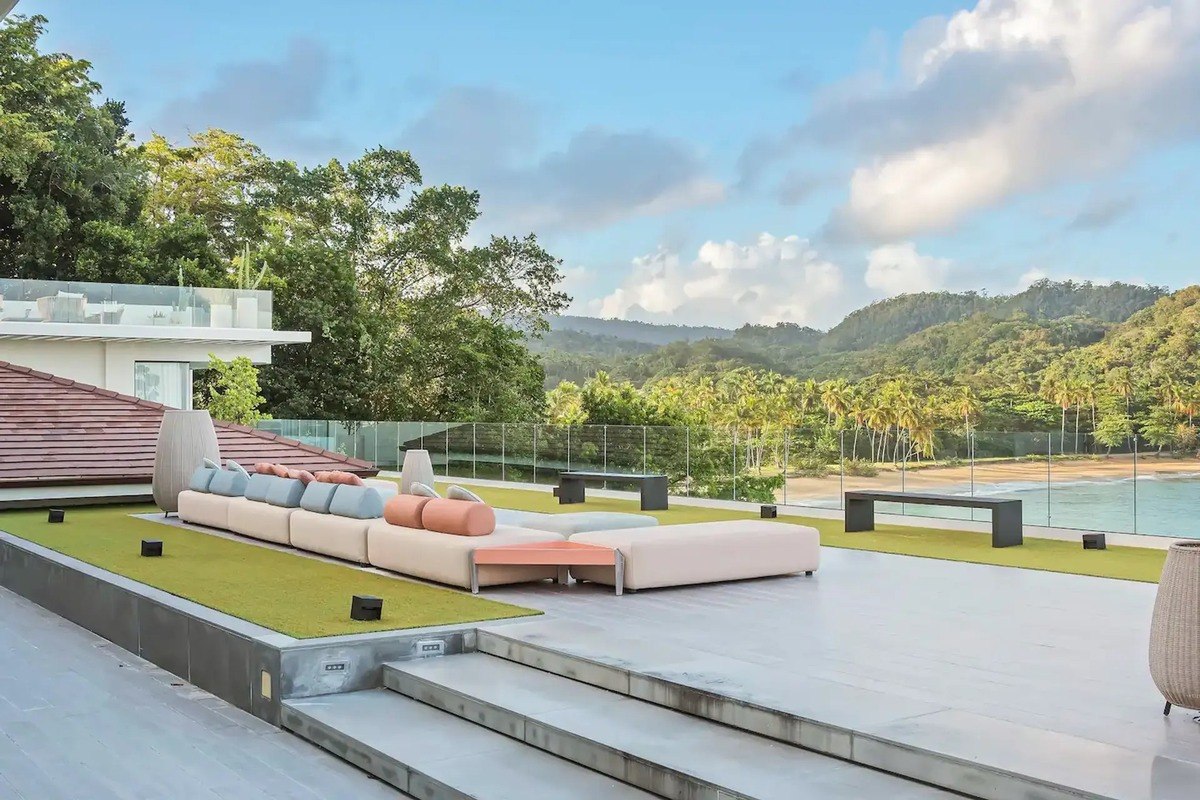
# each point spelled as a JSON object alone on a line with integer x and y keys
{"x": 958, "y": 478}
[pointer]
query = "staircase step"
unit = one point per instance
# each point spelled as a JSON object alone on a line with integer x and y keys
{"x": 969, "y": 753}
{"x": 437, "y": 756}
{"x": 660, "y": 750}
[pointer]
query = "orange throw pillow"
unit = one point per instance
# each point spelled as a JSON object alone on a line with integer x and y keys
{"x": 263, "y": 468}
{"x": 324, "y": 477}
{"x": 458, "y": 517}
{"x": 302, "y": 475}
{"x": 405, "y": 510}
{"x": 280, "y": 470}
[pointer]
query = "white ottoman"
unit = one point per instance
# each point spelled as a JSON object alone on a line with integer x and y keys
{"x": 704, "y": 552}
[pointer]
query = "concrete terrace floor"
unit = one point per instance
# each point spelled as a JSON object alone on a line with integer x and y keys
{"x": 1056, "y": 652}
{"x": 80, "y": 717}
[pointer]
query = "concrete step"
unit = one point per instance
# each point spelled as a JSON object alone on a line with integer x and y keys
{"x": 436, "y": 756}
{"x": 666, "y": 752}
{"x": 973, "y": 754}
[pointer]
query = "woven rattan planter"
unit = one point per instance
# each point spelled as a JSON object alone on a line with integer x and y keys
{"x": 185, "y": 439}
{"x": 1175, "y": 629}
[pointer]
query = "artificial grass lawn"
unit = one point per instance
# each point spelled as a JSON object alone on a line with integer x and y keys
{"x": 1052, "y": 555}
{"x": 283, "y": 591}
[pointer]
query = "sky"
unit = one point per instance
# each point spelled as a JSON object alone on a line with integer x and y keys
{"x": 712, "y": 162}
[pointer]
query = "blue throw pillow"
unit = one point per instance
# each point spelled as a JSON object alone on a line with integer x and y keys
{"x": 201, "y": 478}
{"x": 356, "y": 502}
{"x": 318, "y": 496}
{"x": 229, "y": 483}
{"x": 258, "y": 486}
{"x": 285, "y": 493}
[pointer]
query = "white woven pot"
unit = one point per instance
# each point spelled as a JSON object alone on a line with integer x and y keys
{"x": 418, "y": 468}
{"x": 1175, "y": 628}
{"x": 185, "y": 439}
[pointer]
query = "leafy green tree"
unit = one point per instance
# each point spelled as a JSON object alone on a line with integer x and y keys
{"x": 233, "y": 391}
{"x": 564, "y": 405}
{"x": 66, "y": 160}
{"x": 1158, "y": 426}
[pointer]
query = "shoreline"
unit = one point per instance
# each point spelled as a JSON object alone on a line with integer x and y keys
{"x": 992, "y": 474}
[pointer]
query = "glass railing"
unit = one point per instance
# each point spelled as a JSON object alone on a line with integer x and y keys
{"x": 1064, "y": 480}
{"x": 131, "y": 305}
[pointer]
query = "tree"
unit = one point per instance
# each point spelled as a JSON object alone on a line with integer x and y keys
{"x": 564, "y": 405}
{"x": 1158, "y": 426}
{"x": 233, "y": 391}
{"x": 65, "y": 161}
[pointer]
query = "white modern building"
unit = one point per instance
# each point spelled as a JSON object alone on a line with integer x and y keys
{"x": 143, "y": 341}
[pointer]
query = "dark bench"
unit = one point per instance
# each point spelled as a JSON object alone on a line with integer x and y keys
{"x": 1006, "y": 514}
{"x": 653, "y": 487}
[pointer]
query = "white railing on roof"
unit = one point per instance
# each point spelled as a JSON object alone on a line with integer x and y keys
{"x": 127, "y": 304}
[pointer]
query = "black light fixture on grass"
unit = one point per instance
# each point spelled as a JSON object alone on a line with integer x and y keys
{"x": 768, "y": 512}
{"x": 1094, "y": 541}
{"x": 57, "y": 515}
{"x": 151, "y": 547}
{"x": 366, "y": 608}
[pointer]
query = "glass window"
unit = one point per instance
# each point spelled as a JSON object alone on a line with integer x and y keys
{"x": 166, "y": 382}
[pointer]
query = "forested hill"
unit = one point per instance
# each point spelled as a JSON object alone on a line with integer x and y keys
{"x": 631, "y": 330}
{"x": 998, "y": 338}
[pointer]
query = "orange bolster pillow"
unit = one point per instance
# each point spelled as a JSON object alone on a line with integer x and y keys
{"x": 405, "y": 510}
{"x": 458, "y": 517}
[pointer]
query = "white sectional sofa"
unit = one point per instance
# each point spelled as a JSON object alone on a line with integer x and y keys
{"x": 435, "y": 540}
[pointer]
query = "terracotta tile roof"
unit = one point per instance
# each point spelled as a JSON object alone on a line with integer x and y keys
{"x": 55, "y": 431}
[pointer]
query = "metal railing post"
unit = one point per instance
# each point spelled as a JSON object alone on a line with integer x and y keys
{"x": 447, "y": 449}
{"x": 534, "y": 426}
{"x": 474, "y": 449}
{"x": 503, "y": 471}
{"x": 687, "y": 460}
{"x": 568, "y": 448}
{"x": 735, "y": 446}
{"x": 786, "y": 438}
{"x": 643, "y": 449}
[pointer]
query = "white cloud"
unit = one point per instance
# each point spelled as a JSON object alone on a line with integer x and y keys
{"x": 727, "y": 284}
{"x": 899, "y": 269}
{"x": 1011, "y": 97}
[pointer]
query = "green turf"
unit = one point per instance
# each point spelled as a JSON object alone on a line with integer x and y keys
{"x": 1128, "y": 563}
{"x": 283, "y": 591}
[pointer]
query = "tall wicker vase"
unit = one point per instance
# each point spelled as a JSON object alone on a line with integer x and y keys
{"x": 1175, "y": 628}
{"x": 185, "y": 439}
{"x": 418, "y": 468}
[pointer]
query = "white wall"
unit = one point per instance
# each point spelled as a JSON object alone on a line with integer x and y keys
{"x": 109, "y": 365}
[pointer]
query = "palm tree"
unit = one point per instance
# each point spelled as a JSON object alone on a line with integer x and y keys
{"x": 835, "y": 397}
{"x": 1120, "y": 382}
{"x": 965, "y": 404}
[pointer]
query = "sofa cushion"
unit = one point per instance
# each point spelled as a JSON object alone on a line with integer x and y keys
{"x": 459, "y": 493}
{"x": 423, "y": 490}
{"x": 302, "y": 475}
{"x": 585, "y": 521}
{"x": 356, "y": 502}
{"x": 258, "y": 486}
{"x": 458, "y": 517}
{"x": 279, "y": 470}
{"x": 229, "y": 483}
{"x": 387, "y": 489}
{"x": 318, "y": 496}
{"x": 264, "y": 468}
{"x": 405, "y": 510}
{"x": 285, "y": 493}
{"x": 201, "y": 479}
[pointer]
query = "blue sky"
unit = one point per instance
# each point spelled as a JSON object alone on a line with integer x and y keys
{"x": 720, "y": 163}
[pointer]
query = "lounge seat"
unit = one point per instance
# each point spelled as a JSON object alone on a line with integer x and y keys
{"x": 446, "y": 558}
{"x": 331, "y": 535}
{"x": 704, "y": 552}
{"x": 260, "y": 520}
{"x": 204, "y": 508}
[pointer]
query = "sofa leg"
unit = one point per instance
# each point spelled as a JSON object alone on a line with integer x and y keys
{"x": 808, "y": 573}
{"x": 1167, "y": 709}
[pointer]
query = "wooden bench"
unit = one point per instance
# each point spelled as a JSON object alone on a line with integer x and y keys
{"x": 1007, "y": 529}
{"x": 570, "y": 487}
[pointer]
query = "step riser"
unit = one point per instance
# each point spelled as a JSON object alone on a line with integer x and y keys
{"x": 766, "y": 722}
{"x": 935, "y": 769}
{"x": 366, "y": 758}
{"x": 607, "y": 760}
